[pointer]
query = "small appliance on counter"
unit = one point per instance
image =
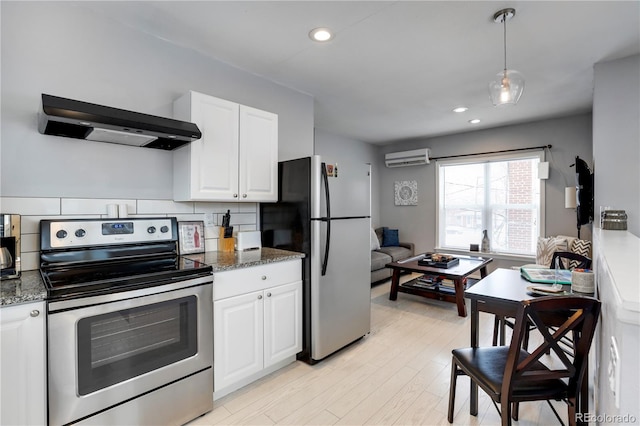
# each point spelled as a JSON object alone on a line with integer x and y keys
{"x": 9, "y": 246}
{"x": 248, "y": 240}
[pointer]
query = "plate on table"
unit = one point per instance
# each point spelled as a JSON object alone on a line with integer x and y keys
{"x": 542, "y": 290}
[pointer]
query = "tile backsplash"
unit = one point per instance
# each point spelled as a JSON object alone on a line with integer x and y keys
{"x": 244, "y": 216}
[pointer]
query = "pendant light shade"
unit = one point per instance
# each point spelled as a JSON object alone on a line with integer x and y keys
{"x": 506, "y": 88}
{"x": 508, "y": 85}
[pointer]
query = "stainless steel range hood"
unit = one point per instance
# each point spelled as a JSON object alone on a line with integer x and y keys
{"x": 82, "y": 120}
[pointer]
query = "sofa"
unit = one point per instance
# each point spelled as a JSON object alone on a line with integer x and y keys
{"x": 387, "y": 250}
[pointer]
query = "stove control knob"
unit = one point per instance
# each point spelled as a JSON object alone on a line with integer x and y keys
{"x": 164, "y": 229}
{"x": 61, "y": 234}
{"x": 151, "y": 230}
{"x": 80, "y": 233}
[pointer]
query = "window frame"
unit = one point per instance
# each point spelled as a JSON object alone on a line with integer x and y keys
{"x": 482, "y": 159}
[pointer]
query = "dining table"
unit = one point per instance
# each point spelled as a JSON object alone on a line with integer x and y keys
{"x": 500, "y": 293}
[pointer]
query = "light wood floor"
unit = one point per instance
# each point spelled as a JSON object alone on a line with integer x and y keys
{"x": 397, "y": 375}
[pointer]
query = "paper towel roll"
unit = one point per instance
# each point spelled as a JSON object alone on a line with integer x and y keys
{"x": 582, "y": 282}
{"x": 112, "y": 210}
{"x": 123, "y": 210}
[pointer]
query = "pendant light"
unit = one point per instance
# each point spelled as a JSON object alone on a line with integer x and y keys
{"x": 508, "y": 86}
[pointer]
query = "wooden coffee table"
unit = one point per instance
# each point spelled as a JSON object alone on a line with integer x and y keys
{"x": 457, "y": 273}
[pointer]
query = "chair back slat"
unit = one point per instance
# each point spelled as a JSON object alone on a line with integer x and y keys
{"x": 574, "y": 260}
{"x": 555, "y": 317}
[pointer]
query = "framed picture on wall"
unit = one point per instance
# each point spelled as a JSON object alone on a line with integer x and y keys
{"x": 406, "y": 193}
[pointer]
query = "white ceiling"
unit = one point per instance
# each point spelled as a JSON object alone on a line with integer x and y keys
{"x": 396, "y": 69}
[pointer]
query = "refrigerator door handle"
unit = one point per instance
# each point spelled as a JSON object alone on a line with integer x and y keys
{"x": 325, "y": 261}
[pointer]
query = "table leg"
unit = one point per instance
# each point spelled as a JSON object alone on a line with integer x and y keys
{"x": 459, "y": 286}
{"x": 475, "y": 333}
{"x": 483, "y": 272}
{"x": 395, "y": 282}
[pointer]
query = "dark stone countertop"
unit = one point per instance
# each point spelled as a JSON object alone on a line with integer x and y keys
{"x": 30, "y": 288}
{"x": 226, "y": 261}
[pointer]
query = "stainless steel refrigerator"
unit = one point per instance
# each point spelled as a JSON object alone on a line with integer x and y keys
{"x": 324, "y": 211}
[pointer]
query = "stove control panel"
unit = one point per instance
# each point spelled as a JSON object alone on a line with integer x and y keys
{"x": 83, "y": 233}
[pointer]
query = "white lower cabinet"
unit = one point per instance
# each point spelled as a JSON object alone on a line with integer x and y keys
{"x": 257, "y": 314}
{"x": 23, "y": 364}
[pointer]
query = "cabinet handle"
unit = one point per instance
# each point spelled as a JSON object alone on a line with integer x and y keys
{"x": 268, "y": 294}
{"x": 244, "y": 195}
{"x": 259, "y": 296}
{"x": 264, "y": 277}
{"x": 34, "y": 313}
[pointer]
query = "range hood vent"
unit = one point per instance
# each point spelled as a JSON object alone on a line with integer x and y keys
{"x": 83, "y": 120}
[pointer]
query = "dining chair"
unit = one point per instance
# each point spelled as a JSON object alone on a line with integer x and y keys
{"x": 574, "y": 260}
{"x": 511, "y": 375}
{"x": 571, "y": 261}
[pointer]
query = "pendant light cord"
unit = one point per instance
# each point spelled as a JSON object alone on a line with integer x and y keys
{"x": 504, "y": 21}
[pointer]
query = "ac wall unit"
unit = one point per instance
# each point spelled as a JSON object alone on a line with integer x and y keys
{"x": 414, "y": 157}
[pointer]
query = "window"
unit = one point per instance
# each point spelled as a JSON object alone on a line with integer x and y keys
{"x": 501, "y": 194}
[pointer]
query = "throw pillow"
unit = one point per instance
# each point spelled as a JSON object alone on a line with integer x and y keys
{"x": 375, "y": 244}
{"x": 379, "y": 232}
{"x": 581, "y": 247}
{"x": 546, "y": 247}
{"x": 390, "y": 237}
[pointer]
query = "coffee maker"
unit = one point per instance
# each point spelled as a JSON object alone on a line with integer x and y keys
{"x": 9, "y": 246}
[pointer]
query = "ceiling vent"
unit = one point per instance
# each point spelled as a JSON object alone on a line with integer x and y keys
{"x": 415, "y": 157}
{"x": 83, "y": 120}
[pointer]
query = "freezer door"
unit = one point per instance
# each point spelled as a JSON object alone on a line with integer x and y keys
{"x": 341, "y": 299}
{"x": 349, "y": 188}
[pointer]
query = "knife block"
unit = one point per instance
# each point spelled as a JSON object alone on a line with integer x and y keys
{"x": 225, "y": 244}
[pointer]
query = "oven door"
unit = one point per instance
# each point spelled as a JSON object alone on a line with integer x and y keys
{"x": 107, "y": 350}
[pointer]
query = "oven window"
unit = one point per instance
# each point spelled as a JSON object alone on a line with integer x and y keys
{"x": 117, "y": 346}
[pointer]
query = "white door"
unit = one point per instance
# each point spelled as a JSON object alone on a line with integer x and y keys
{"x": 214, "y": 157}
{"x": 282, "y": 322}
{"x": 23, "y": 364}
{"x": 238, "y": 338}
{"x": 258, "y": 159}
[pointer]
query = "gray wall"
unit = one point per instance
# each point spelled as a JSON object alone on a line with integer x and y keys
{"x": 336, "y": 146}
{"x": 65, "y": 49}
{"x": 616, "y": 138}
{"x": 569, "y": 137}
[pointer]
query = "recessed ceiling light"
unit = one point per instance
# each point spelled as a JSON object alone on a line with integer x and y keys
{"x": 474, "y": 121}
{"x": 460, "y": 109}
{"x": 321, "y": 34}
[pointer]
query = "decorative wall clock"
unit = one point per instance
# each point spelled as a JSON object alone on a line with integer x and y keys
{"x": 406, "y": 193}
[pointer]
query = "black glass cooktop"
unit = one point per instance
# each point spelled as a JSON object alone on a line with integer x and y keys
{"x": 95, "y": 278}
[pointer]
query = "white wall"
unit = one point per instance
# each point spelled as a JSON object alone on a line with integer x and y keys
{"x": 616, "y": 137}
{"x": 336, "y": 146}
{"x": 569, "y": 137}
{"x": 65, "y": 49}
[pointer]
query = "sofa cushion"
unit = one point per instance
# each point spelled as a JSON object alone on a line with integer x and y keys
{"x": 379, "y": 259}
{"x": 396, "y": 252}
{"x": 390, "y": 238}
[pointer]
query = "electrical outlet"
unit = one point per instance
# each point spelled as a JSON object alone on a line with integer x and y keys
{"x": 613, "y": 371}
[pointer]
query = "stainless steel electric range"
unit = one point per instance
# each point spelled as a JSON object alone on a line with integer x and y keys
{"x": 130, "y": 337}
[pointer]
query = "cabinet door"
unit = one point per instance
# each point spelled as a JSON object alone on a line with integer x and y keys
{"x": 238, "y": 338}
{"x": 23, "y": 364}
{"x": 282, "y": 322}
{"x": 258, "y": 155}
{"x": 214, "y": 157}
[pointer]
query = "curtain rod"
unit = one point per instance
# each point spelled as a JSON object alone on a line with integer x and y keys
{"x": 492, "y": 152}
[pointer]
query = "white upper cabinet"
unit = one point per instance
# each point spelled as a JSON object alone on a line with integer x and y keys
{"x": 235, "y": 160}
